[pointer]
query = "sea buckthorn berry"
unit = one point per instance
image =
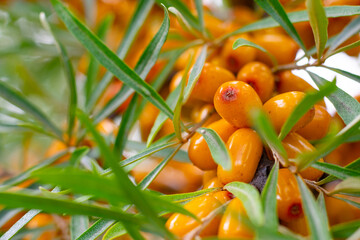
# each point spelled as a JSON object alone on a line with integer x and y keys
{"x": 318, "y": 127}
{"x": 280, "y": 107}
{"x": 232, "y": 223}
{"x": 234, "y": 59}
{"x": 245, "y": 149}
{"x": 282, "y": 47}
{"x": 147, "y": 119}
{"x": 288, "y": 196}
{"x": 294, "y": 145}
{"x": 223, "y": 196}
{"x": 234, "y": 100}
{"x": 298, "y": 225}
{"x": 289, "y": 82}
{"x": 199, "y": 114}
{"x": 199, "y": 152}
{"x": 208, "y": 175}
{"x": 213, "y": 183}
{"x": 260, "y": 77}
{"x": 201, "y": 207}
{"x": 176, "y": 80}
{"x": 42, "y": 220}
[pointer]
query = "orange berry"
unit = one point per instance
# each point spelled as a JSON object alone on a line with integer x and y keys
{"x": 260, "y": 77}
{"x": 208, "y": 175}
{"x": 176, "y": 80}
{"x": 147, "y": 119}
{"x": 298, "y": 225}
{"x": 234, "y": 100}
{"x": 213, "y": 183}
{"x": 199, "y": 152}
{"x": 288, "y": 196}
{"x": 201, "y": 207}
{"x": 232, "y": 225}
{"x": 294, "y": 145}
{"x": 318, "y": 127}
{"x": 234, "y": 59}
{"x": 199, "y": 114}
{"x": 281, "y": 106}
{"x": 289, "y": 82}
{"x": 245, "y": 149}
{"x": 282, "y": 47}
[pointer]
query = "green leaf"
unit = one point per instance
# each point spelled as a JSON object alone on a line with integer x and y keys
{"x": 25, "y": 127}
{"x": 195, "y": 72}
{"x": 347, "y": 106}
{"x": 319, "y": 24}
{"x": 275, "y": 10}
{"x": 200, "y": 13}
{"x": 243, "y": 42}
{"x": 182, "y": 197}
{"x": 268, "y": 197}
{"x": 107, "y": 58}
{"x": 344, "y": 230}
{"x": 217, "y": 147}
{"x": 315, "y": 219}
{"x": 78, "y": 224}
{"x": 322, "y": 207}
{"x": 349, "y": 185}
{"x": 345, "y": 48}
{"x": 310, "y": 99}
{"x": 295, "y": 17}
{"x": 117, "y": 230}
{"x": 98, "y": 228}
{"x": 355, "y": 204}
{"x": 351, "y": 29}
{"x": 336, "y": 171}
{"x": 138, "y": 18}
{"x": 266, "y": 131}
{"x": 18, "y": 99}
{"x": 250, "y": 199}
{"x": 77, "y": 155}
{"x": 345, "y": 73}
{"x": 355, "y": 165}
{"x": 124, "y": 183}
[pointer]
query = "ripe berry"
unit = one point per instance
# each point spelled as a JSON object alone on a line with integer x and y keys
{"x": 318, "y": 127}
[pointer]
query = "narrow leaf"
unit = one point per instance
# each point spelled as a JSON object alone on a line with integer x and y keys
{"x": 77, "y": 155}
{"x": 345, "y": 48}
{"x": 200, "y": 13}
{"x": 349, "y": 185}
{"x": 98, "y": 228}
{"x": 355, "y": 165}
{"x": 355, "y": 204}
{"x": 345, "y": 73}
{"x": 322, "y": 207}
{"x": 315, "y": 219}
{"x": 336, "y": 171}
{"x": 217, "y": 147}
{"x": 78, "y": 224}
{"x": 250, "y": 199}
{"x": 344, "y": 230}
{"x": 181, "y": 197}
{"x": 116, "y": 231}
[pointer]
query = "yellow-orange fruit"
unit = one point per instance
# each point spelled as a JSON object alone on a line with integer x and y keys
{"x": 234, "y": 100}
{"x": 289, "y": 82}
{"x": 201, "y": 207}
{"x": 280, "y": 107}
{"x": 298, "y": 225}
{"x": 55, "y": 148}
{"x": 213, "y": 183}
{"x": 318, "y": 127}
{"x": 288, "y": 196}
{"x": 344, "y": 154}
{"x": 294, "y": 145}
{"x": 176, "y": 177}
{"x": 243, "y": 15}
{"x": 306, "y": 33}
{"x": 234, "y": 59}
{"x": 42, "y": 220}
{"x": 260, "y": 77}
{"x": 147, "y": 119}
{"x": 208, "y": 175}
{"x": 245, "y": 149}
{"x": 232, "y": 223}
{"x": 282, "y": 47}
{"x": 199, "y": 114}
{"x": 106, "y": 127}
{"x": 199, "y": 152}
{"x": 223, "y": 196}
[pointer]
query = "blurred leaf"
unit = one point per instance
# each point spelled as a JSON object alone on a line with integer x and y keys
{"x": 345, "y": 48}
{"x": 243, "y": 42}
{"x": 218, "y": 149}
{"x": 319, "y": 24}
{"x": 349, "y": 185}
{"x": 344, "y": 230}
{"x": 77, "y": 155}
{"x": 200, "y": 13}
{"x": 18, "y": 99}
{"x": 117, "y": 230}
{"x": 335, "y": 170}
{"x": 107, "y": 58}
{"x": 181, "y": 197}
{"x": 98, "y": 228}
{"x": 355, "y": 204}
{"x": 78, "y": 224}
{"x": 266, "y": 131}
{"x": 195, "y": 72}
{"x": 295, "y": 17}
{"x": 268, "y": 197}
{"x": 345, "y": 73}
{"x": 310, "y": 99}
{"x": 351, "y": 29}
{"x": 322, "y": 207}
{"x": 355, "y": 165}
{"x": 125, "y": 185}
{"x": 315, "y": 219}
{"x": 138, "y": 18}
{"x": 25, "y": 127}
{"x": 275, "y": 10}
{"x": 347, "y": 106}
{"x": 250, "y": 199}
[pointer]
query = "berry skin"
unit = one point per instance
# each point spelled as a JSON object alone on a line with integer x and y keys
{"x": 234, "y": 59}
{"x": 288, "y": 196}
{"x": 294, "y": 145}
{"x": 318, "y": 127}
{"x": 289, "y": 82}
{"x": 201, "y": 207}
{"x": 208, "y": 175}
{"x": 213, "y": 183}
{"x": 234, "y": 100}
{"x": 199, "y": 152}
{"x": 245, "y": 149}
{"x": 281, "y": 106}
{"x": 260, "y": 77}
{"x": 231, "y": 225}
